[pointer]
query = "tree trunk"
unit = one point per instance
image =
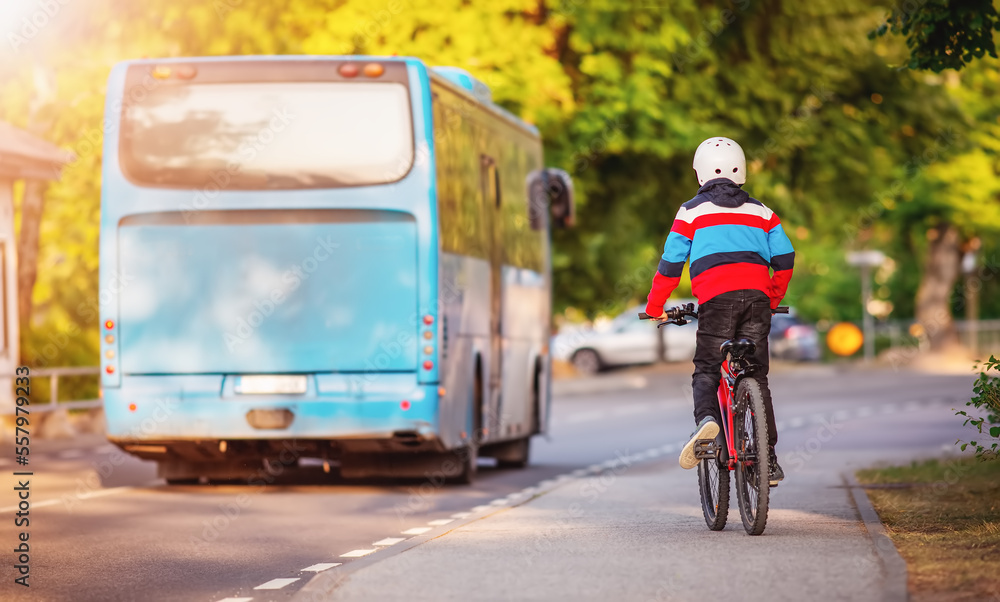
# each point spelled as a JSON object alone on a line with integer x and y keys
{"x": 27, "y": 249}
{"x": 933, "y": 303}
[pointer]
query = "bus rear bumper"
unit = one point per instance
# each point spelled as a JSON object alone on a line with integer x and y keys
{"x": 159, "y": 417}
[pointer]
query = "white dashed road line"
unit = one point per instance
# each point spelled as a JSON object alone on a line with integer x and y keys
{"x": 319, "y": 568}
{"x": 357, "y": 553}
{"x": 277, "y": 583}
{"x": 388, "y": 541}
{"x": 235, "y": 600}
{"x": 417, "y": 530}
{"x": 440, "y": 521}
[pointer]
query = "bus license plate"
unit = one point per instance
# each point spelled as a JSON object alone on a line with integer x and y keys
{"x": 264, "y": 384}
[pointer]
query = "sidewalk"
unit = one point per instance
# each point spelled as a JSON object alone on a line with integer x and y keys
{"x": 637, "y": 535}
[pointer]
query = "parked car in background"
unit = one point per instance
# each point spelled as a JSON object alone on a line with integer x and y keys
{"x": 792, "y": 339}
{"x": 627, "y": 340}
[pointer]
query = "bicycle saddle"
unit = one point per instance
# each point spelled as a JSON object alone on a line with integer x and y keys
{"x": 738, "y": 348}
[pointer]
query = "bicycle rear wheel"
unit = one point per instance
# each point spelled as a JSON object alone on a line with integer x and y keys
{"x": 713, "y": 484}
{"x": 753, "y": 466}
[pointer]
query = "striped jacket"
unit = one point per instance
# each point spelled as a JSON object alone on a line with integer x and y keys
{"x": 733, "y": 241}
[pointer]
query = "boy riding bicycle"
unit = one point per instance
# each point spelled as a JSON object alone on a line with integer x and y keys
{"x": 733, "y": 241}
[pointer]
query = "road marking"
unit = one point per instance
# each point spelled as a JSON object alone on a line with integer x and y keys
{"x": 359, "y": 553}
{"x": 864, "y": 412}
{"x": 236, "y": 600}
{"x": 499, "y": 502}
{"x": 441, "y": 521}
{"x": 796, "y": 422}
{"x": 911, "y": 406}
{"x": 82, "y": 496}
{"x": 388, "y": 541}
{"x": 888, "y": 408}
{"x": 416, "y": 531}
{"x": 277, "y": 583}
{"x": 842, "y": 415}
{"x": 480, "y": 508}
{"x": 318, "y": 568}
{"x": 579, "y": 472}
{"x": 817, "y": 419}
{"x": 461, "y": 515}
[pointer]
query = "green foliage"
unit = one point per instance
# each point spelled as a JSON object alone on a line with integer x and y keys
{"x": 850, "y": 152}
{"x": 986, "y": 399}
{"x": 943, "y": 34}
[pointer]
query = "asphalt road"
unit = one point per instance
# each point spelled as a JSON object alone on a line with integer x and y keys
{"x": 104, "y": 528}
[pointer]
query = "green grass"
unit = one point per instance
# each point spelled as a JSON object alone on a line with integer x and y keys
{"x": 946, "y": 525}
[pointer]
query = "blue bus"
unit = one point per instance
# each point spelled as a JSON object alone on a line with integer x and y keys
{"x": 342, "y": 258}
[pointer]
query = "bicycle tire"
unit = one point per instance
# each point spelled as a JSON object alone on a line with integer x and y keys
{"x": 713, "y": 485}
{"x": 753, "y": 468}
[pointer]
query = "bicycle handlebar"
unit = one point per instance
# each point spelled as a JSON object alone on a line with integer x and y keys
{"x": 677, "y": 314}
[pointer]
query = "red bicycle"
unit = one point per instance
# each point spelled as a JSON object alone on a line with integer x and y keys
{"x": 742, "y": 444}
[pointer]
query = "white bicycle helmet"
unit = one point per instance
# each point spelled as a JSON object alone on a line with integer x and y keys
{"x": 720, "y": 158}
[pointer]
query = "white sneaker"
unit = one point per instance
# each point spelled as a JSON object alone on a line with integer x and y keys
{"x": 708, "y": 428}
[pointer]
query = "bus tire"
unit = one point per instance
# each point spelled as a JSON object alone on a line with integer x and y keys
{"x": 516, "y": 453}
{"x": 468, "y": 459}
{"x": 468, "y": 456}
{"x": 513, "y": 454}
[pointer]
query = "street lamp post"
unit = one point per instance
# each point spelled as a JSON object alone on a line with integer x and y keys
{"x": 867, "y": 260}
{"x": 971, "y": 295}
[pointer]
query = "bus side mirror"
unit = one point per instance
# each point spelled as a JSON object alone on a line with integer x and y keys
{"x": 550, "y": 192}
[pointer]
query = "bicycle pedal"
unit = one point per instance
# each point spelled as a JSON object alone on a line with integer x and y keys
{"x": 705, "y": 449}
{"x": 773, "y": 484}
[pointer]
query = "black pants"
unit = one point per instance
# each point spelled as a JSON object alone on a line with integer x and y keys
{"x": 733, "y": 315}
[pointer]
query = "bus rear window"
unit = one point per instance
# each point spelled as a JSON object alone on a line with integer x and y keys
{"x": 268, "y": 135}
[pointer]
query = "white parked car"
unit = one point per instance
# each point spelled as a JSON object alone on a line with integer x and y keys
{"x": 626, "y": 340}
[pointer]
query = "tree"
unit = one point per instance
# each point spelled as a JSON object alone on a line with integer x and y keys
{"x": 943, "y": 34}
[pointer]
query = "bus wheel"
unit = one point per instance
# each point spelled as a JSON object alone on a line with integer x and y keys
{"x": 468, "y": 459}
{"x": 513, "y": 454}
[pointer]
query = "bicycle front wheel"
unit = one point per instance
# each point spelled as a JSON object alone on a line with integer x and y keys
{"x": 753, "y": 458}
{"x": 713, "y": 483}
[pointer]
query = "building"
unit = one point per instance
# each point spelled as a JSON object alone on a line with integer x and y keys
{"x": 22, "y": 157}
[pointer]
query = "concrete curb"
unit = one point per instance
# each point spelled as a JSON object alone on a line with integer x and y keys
{"x": 893, "y": 564}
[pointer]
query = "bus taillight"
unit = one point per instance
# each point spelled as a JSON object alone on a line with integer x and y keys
{"x": 109, "y": 324}
{"x": 428, "y": 365}
{"x": 348, "y": 70}
{"x": 374, "y": 70}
